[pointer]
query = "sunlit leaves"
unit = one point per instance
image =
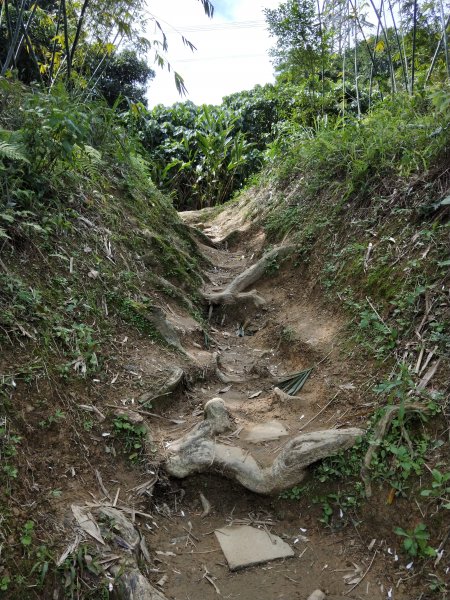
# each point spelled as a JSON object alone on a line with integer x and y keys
{"x": 197, "y": 152}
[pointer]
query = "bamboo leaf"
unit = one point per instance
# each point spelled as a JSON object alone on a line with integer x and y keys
{"x": 291, "y": 384}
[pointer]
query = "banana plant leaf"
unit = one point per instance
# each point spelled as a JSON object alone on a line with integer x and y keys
{"x": 293, "y": 383}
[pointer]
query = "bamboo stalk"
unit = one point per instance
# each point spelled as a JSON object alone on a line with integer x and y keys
{"x": 24, "y": 33}
{"x": 373, "y": 68}
{"x": 413, "y": 59}
{"x": 444, "y": 36}
{"x": 10, "y": 55}
{"x": 52, "y": 62}
{"x": 400, "y": 49}
{"x": 358, "y": 101}
{"x": 66, "y": 40}
{"x": 8, "y": 20}
{"x": 436, "y": 52}
{"x": 388, "y": 47}
{"x": 32, "y": 52}
{"x": 2, "y": 10}
{"x": 322, "y": 51}
{"x": 78, "y": 30}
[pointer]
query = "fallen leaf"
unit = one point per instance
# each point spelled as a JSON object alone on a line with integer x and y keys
{"x": 391, "y": 496}
{"x": 347, "y": 386}
{"x": 87, "y": 522}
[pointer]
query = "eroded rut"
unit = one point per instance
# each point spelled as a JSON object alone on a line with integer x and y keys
{"x": 249, "y": 347}
{"x": 252, "y": 347}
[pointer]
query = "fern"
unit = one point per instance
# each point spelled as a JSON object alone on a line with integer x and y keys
{"x": 89, "y": 162}
{"x": 3, "y": 234}
{"x": 12, "y": 152}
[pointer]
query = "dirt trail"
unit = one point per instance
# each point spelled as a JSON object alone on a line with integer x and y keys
{"x": 292, "y": 332}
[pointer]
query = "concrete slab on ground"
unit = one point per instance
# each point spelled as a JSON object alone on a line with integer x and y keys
{"x": 244, "y": 546}
{"x": 263, "y": 432}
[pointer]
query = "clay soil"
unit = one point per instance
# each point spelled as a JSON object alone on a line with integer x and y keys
{"x": 294, "y": 331}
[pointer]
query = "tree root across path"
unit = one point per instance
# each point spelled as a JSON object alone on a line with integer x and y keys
{"x": 198, "y": 451}
{"x": 234, "y": 291}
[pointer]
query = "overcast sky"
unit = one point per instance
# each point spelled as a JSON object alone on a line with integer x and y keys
{"x": 231, "y": 50}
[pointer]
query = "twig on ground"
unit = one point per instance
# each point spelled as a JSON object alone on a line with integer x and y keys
{"x": 320, "y": 411}
{"x": 363, "y": 575}
{"x": 210, "y": 580}
{"x": 100, "y": 483}
{"x": 428, "y": 375}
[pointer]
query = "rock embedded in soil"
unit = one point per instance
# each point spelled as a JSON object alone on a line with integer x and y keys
{"x": 263, "y": 432}
{"x": 245, "y": 546}
{"x": 317, "y": 595}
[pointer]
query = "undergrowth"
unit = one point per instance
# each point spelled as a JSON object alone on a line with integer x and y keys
{"x": 88, "y": 248}
{"x": 366, "y": 203}
{"x": 78, "y": 204}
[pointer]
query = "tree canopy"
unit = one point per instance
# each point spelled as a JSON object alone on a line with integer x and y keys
{"x": 93, "y": 45}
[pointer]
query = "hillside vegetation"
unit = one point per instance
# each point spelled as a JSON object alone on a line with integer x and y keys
{"x": 345, "y": 158}
{"x": 91, "y": 255}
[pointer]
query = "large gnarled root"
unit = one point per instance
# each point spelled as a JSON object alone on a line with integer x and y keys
{"x": 234, "y": 291}
{"x": 198, "y": 452}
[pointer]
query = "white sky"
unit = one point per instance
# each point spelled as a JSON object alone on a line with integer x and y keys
{"x": 231, "y": 53}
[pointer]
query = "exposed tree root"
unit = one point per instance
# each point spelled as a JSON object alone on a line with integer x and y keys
{"x": 225, "y": 377}
{"x": 132, "y": 585}
{"x": 282, "y": 395}
{"x": 198, "y": 451}
{"x": 234, "y": 291}
{"x": 172, "y": 383}
{"x": 201, "y": 236}
{"x": 379, "y": 433}
{"x": 226, "y": 297}
{"x": 111, "y": 523}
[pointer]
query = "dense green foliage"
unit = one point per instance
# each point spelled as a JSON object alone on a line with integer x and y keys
{"x": 89, "y": 252}
{"x": 124, "y": 79}
{"x": 335, "y": 62}
{"x": 69, "y": 170}
{"x": 78, "y": 43}
{"x": 200, "y": 154}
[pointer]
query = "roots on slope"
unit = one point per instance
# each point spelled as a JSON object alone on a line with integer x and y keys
{"x": 234, "y": 291}
{"x": 198, "y": 452}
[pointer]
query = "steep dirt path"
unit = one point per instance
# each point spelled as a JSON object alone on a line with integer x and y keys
{"x": 292, "y": 332}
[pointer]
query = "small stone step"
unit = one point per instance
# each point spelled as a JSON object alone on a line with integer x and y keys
{"x": 263, "y": 432}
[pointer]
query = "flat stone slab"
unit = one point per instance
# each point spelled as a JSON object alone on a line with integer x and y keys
{"x": 263, "y": 432}
{"x": 244, "y": 546}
